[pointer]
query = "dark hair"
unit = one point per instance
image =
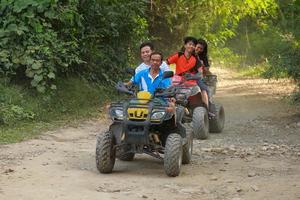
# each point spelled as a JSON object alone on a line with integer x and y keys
{"x": 145, "y": 44}
{"x": 203, "y": 55}
{"x": 157, "y": 53}
{"x": 205, "y": 47}
{"x": 190, "y": 39}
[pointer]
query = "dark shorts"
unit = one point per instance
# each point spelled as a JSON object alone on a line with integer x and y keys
{"x": 202, "y": 85}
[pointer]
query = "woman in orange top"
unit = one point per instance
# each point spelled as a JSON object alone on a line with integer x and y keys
{"x": 186, "y": 61}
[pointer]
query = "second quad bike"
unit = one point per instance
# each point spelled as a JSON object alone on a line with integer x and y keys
{"x": 188, "y": 94}
{"x": 145, "y": 124}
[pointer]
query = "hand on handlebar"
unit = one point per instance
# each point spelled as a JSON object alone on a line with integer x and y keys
{"x": 171, "y": 108}
{"x": 172, "y": 100}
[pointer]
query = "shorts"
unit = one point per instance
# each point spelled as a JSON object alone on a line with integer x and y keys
{"x": 202, "y": 85}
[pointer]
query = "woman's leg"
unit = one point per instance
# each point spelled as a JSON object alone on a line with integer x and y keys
{"x": 205, "y": 97}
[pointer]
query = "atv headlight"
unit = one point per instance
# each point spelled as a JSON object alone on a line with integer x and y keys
{"x": 118, "y": 114}
{"x": 157, "y": 115}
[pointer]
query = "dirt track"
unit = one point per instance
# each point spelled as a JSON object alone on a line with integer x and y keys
{"x": 256, "y": 157}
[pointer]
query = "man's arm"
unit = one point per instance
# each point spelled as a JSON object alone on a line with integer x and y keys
{"x": 172, "y": 59}
{"x": 139, "y": 68}
{"x": 129, "y": 83}
{"x": 136, "y": 79}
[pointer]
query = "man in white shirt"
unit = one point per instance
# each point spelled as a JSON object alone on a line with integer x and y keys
{"x": 146, "y": 49}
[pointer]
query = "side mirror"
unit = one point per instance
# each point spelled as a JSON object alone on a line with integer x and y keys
{"x": 168, "y": 74}
{"x": 130, "y": 71}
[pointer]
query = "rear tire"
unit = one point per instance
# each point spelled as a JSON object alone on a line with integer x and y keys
{"x": 173, "y": 155}
{"x": 200, "y": 123}
{"x": 216, "y": 124}
{"x": 187, "y": 148}
{"x": 105, "y": 154}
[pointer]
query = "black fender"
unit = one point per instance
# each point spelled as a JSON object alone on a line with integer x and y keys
{"x": 117, "y": 129}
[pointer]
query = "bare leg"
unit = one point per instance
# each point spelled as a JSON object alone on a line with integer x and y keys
{"x": 205, "y": 98}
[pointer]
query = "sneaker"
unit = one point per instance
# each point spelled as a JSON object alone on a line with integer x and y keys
{"x": 211, "y": 115}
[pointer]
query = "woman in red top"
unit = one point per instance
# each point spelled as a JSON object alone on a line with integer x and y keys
{"x": 186, "y": 61}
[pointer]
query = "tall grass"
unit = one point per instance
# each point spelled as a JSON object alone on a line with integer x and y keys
{"x": 24, "y": 113}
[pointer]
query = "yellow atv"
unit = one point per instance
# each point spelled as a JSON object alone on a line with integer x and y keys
{"x": 144, "y": 124}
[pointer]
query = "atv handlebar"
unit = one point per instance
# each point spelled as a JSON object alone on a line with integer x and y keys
{"x": 161, "y": 92}
{"x": 173, "y": 90}
{"x": 168, "y": 92}
{"x": 121, "y": 87}
{"x": 187, "y": 77}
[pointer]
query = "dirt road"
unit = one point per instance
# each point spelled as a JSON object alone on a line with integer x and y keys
{"x": 256, "y": 157}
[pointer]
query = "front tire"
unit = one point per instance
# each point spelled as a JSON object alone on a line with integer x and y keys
{"x": 173, "y": 155}
{"x": 187, "y": 149}
{"x": 105, "y": 154}
{"x": 200, "y": 123}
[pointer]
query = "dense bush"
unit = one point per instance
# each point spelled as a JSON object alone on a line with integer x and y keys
{"x": 31, "y": 46}
{"x": 11, "y": 114}
{"x": 43, "y": 39}
{"x": 11, "y": 109}
{"x": 285, "y": 61}
{"x": 112, "y": 32}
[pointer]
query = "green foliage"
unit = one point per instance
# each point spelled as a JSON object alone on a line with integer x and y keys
{"x": 24, "y": 113}
{"x": 112, "y": 32}
{"x": 286, "y": 57}
{"x": 31, "y": 44}
{"x": 218, "y": 20}
{"x": 169, "y": 22}
{"x": 10, "y": 114}
{"x": 41, "y": 40}
{"x": 252, "y": 33}
{"x": 285, "y": 61}
{"x": 296, "y": 97}
{"x": 226, "y": 57}
{"x": 273, "y": 39}
{"x": 253, "y": 70}
{"x": 10, "y": 111}
{"x": 45, "y": 42}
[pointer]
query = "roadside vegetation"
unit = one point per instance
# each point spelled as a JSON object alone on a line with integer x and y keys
{"x": 24, "y": 113}
{"x": 59, "y": 60}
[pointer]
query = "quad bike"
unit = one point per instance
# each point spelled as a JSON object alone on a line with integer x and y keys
{"x": 188, "y": 94}
{"x": 141, "y": 124}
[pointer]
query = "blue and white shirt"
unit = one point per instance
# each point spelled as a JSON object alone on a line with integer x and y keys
{"x": 164, "y": 67}
{"x": 149, "y": 84}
